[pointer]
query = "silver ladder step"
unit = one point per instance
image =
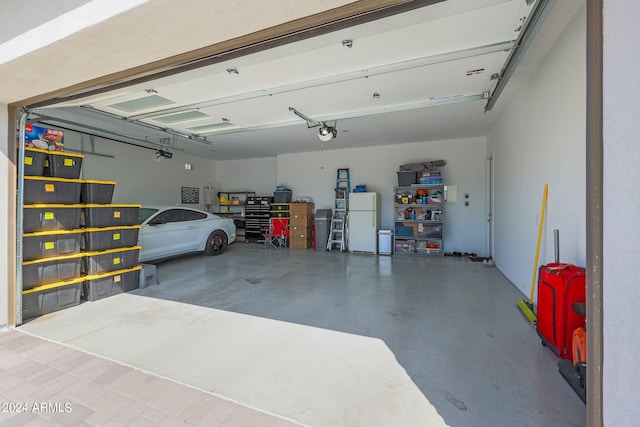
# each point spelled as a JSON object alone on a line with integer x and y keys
{"x": 338, "y": 230}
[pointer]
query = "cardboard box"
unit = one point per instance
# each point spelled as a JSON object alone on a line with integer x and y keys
{"x": 301, "y": 208}
{"x": 302, "y": 220}
{"x": 300, "y": 231}
{"x": 301, "y": 242}
{"x": 43, "y": 138}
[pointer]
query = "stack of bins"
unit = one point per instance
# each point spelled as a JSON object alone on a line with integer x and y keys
{"x": 279, "y": 210}
{"x": 301, "y": 222}
{"x": 51, "y": 253}
{"x": 110, "y": 242}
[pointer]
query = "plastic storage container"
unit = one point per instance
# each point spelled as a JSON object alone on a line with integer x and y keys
{"x": 406, "y": 178}
{"x": 63, "y": 165}
{"x": 280, "y": 210}
{"x": 110, "y": 260}
{"x": 102, "y": 239}
{"x": 50, "y": 217}
{"x": 38, "y": 189}
{"x": 282, "y": 196}
{"x": 116, "y": 282}
{"x": 50, "y": 298}
{"x": 51, "y": 270}
{"x": 34, "y": 159}
{"x": 404, "y": 231}
{"x": 110, "y": 215}
{"x": 98, "y": 192}
{"x": 47, "y": 244}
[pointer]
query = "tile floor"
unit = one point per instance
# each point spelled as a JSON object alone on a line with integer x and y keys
{"x": 43, "y": 383}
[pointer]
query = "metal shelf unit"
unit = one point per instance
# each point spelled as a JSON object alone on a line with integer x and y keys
{"x": 419, "y": 219}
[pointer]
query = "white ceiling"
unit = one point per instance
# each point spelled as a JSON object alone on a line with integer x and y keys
{"x": 430, "y": 67}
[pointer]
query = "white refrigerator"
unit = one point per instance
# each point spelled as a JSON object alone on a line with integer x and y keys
{"x": 363, "y": 222}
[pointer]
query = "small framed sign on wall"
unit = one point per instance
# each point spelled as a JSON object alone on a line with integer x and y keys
{"x": 190, "y": 195}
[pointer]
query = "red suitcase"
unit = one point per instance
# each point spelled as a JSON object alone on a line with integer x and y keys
{"x": 559, "y": 286}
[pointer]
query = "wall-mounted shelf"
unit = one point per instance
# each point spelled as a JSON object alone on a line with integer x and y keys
{"x": 232, "y": 204}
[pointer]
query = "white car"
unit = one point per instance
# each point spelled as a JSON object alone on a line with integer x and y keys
{"x": 169, "y": 231}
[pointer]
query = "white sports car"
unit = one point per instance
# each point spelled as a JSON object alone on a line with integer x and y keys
{"x": 169, "y": 231}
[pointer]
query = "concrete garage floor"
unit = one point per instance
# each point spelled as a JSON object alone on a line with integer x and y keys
{"x": 333, "y": 339}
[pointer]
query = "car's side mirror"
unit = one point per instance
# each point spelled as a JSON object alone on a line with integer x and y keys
{"x": 157, "y": 222}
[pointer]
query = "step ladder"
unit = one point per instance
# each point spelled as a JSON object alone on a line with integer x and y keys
{"x": 338, "y": 230}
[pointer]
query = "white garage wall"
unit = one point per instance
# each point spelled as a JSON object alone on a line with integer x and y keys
{"x": 140, "y": 178}
{"x": 541, "y": 139}
{"x": 314, "y": 175}
{"x": 257, "y": 175}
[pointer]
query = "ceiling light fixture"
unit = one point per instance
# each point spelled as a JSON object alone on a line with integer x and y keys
{"x": 325, "y": 133}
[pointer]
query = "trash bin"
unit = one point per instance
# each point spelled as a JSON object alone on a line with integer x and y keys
{"x": 385, "y": 242}
{"x": 322, "y": 224}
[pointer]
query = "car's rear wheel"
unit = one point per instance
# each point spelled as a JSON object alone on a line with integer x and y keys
{"x": 216, "y": 243}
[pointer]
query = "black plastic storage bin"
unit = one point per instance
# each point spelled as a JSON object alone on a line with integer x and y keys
{"x": 102, "y": 239}
{"x": 47, "y": 217}
{"x": 47, "y": 244}
{"x": 110, "y": 215}
{"x": 116, "y": 282}
{"x": 63, "y": 165}
{"x": 39, "y": 189}
{"x": 34, "y": 159}
{"x": 406, "y": 178}
{"x": 279, "y": 210}
{"x": 283, "y": 196}
{"x": 110, "y": 260}
{"x": 98, "y": 192}
{"x": 42, "y": 272}
{"x": 50, "y": 298}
